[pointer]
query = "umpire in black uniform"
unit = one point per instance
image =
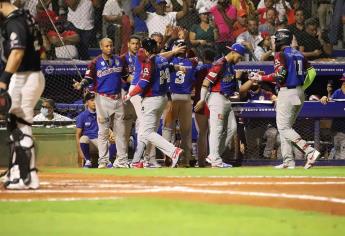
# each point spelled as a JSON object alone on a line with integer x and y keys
{"x": 21, "y": 85}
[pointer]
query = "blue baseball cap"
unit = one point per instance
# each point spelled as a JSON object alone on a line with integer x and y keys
{"x": 239, "y": 48}
{"x": 161, "y": 1}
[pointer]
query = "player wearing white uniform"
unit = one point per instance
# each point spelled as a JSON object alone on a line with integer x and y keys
{"x": 293, "y": 74}
{"x": 153, "y": 87}
{"x": 223, "y": 84}
{"x": 23, "y": 79}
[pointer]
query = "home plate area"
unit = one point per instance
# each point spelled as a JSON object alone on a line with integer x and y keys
{"x": 321, "y": 194}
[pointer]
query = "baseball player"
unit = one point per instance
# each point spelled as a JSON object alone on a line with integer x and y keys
{"x": 201, "y": 116}
{"x": 293, "y": 74}
{"x": 222, "y": 82}
{"x": 129, "y": 63}
{"x": 181, "y": 84}
{"x": 153, "y": 87}
{"x": 22, "y": 82}
{"x": 107, "y": 74}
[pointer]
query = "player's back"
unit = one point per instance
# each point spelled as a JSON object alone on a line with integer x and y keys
{"x": 296, "y": 66}
{"x": 181, "y": 83}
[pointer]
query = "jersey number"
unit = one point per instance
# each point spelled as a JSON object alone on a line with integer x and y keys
{"x": 164, "y": 75}
{"x": 299, "y": 67}
{"x": 179, "y": 77}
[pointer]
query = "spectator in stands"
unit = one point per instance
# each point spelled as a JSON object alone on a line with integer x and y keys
{"x": 262, "y": 9}
{"x": 117, "y": 25}
{"x": 298, "y": 28}
{"x": 282, "y": 7}
{"x": 337, "y": 28}
{"x": 224, "y": 15}
{"x": 65, "y": 47}
{"x": 139, "y": 9}
{"x": 159, "y": 20}
{"x": 203, "y": 35}
{"x": 87, "y": 130}
{"x": 264, "y": 52}
{"x": 251, "y": 38}
{"x": 189, "y": 19}
{"x": 47, "y": 112}
{"x": 240, "y": 25}
{"x": 269, "y": 26}
{"x": 323, "y": 12}
{"x": 310, "y": 46}
{"x": 159, "y": 38}
{"x": 208, "y": 4}
{"x": 80, "y": 14}
{"x": 246, "y": 5}
{"x": 338, "y": 124}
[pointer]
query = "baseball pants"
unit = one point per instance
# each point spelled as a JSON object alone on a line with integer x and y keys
{"x": 182, "y": 111}
{"x": 153, "y": 108}
{"x": 289, "y": 104}
{"x": 150, "y": 152}
{"x": 108, "y": 110}
{"x": 222, "y": 124}
{"x": 202, "y": 128}
{"x": 25, "y": 90}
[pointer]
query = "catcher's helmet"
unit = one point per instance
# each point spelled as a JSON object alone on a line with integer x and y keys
{"x": 283, "y": 37}
{"x": 149, "y": 45}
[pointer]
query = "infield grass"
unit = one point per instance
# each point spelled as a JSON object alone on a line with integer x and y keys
{"x": 151, "y": 217}
{"x": 238, "y": 171}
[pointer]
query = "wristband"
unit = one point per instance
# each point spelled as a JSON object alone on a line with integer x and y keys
{"x": 6, "y": 77}
{"x": 203, "y": 93}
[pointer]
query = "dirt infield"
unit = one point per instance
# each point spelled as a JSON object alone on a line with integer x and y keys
{"x": 321, "y": 194}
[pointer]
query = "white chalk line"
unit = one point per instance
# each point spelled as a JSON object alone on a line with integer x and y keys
{"x": 255, "y": 176}
{"x": 65, "y": 199}
{"x": 182, "y": 189}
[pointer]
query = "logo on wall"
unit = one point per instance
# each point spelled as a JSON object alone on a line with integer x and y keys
{"x": 49, "y": 70}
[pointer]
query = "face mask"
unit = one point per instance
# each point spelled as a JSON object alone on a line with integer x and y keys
{"x": 44, "y": 111}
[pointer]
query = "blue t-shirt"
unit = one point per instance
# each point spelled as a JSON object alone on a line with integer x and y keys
{"x": 338, "y": 94}
{"x": 139, "y": 24}
{"x": 87, "y": 121}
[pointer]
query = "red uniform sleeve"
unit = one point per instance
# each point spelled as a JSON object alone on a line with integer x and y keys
{"x": 145, "y": 78}
{"x": 90, "y": 73}
{"x": 279, "y": 69}
{"x": 212, "y": 75}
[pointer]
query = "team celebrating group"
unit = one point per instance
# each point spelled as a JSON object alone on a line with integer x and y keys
{"x": 147, "y": 83}
{"x": 163, "y": 85}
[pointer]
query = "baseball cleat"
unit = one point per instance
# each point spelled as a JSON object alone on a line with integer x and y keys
{"x": 152, "y": 164}
{"x": 285, "y": 166}
{"x": 18, "y": 184}
{"x": 121, "y": 165}
{"x": 87, "y": 164}
{"x": 137, "y": 165}
{"x": 221, "y": 165}
{"x": 109, "y": 165}
{"x": 311, "y": 158}
{"x": 176, "y": 156}
{"x": 102, "y": 166}
{"x": 208, "y": 160}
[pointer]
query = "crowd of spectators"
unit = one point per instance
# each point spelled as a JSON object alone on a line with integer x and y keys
{"x": 318, "y": 26}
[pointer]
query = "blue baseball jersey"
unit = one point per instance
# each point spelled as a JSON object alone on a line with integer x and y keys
{"x": 108, "y": 75}
{"x": 136, "y": 71}
{"x": 295, "y": 64}
{"x": 87, "y": 121}
{"x": 222, "y": 77}
{"x": 181, "y": 83}
{"x": 129, "y": 63}
{"x": 154, "y": 77}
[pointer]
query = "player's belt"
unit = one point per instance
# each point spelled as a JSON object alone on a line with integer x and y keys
{"x": 288, "y": 87}
{"x": 112, "y": 96}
